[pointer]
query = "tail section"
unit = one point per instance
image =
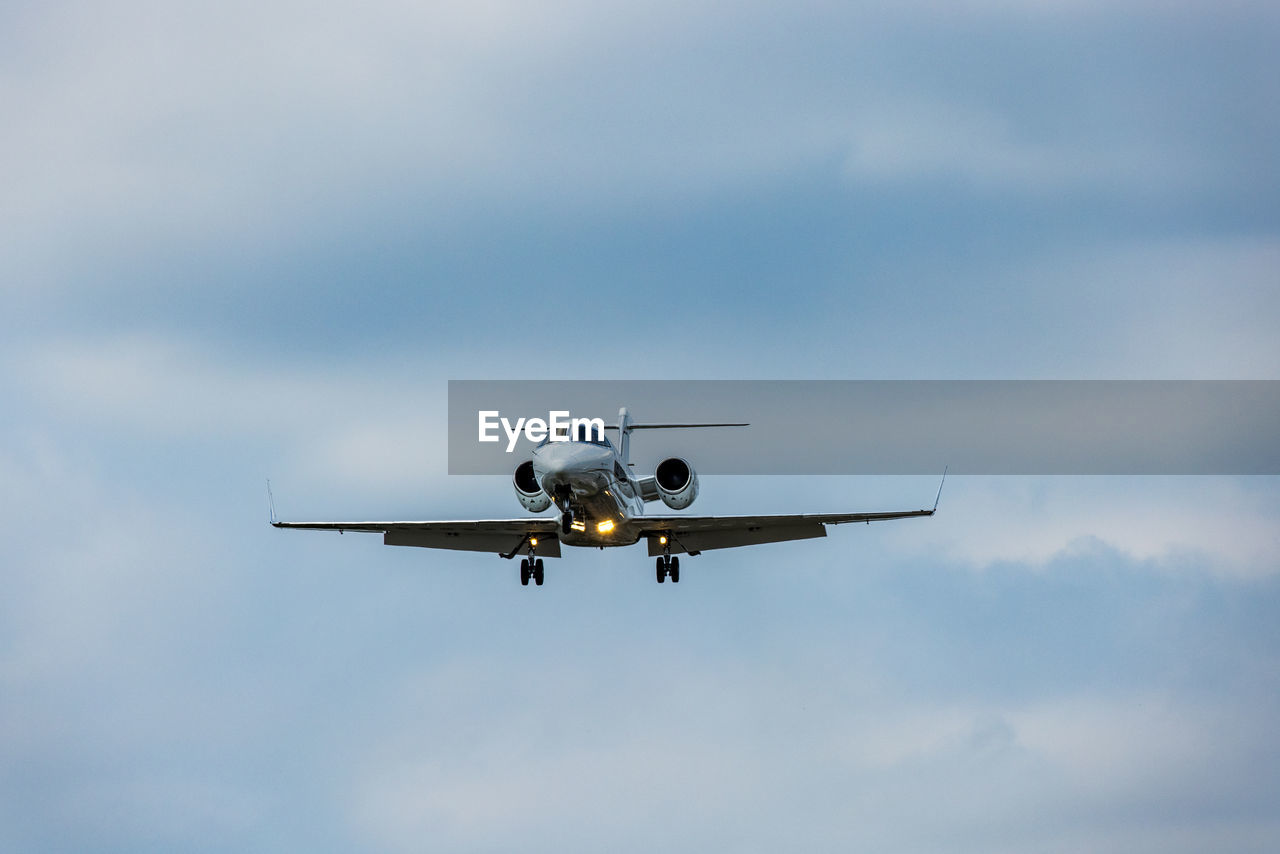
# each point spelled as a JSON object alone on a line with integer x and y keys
{"x": 624, "y": 435}
{"x": 625, "y": 426}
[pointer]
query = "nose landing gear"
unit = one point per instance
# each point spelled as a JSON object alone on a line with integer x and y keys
{"x": 564, "y": 499}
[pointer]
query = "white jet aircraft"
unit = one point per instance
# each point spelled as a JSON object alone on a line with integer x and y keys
{"x": 601, "y": 504}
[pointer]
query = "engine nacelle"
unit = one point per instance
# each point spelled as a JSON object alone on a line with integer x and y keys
{"x": 528, "y": 490}
{"x": 677, "y": 483}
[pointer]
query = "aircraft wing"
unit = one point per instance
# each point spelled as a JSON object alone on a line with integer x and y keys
{"x": 500, "y": 536}
{"x": 694, "y": 534}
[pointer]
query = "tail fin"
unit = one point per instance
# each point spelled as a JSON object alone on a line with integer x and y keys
{"x": 624, "y": 435}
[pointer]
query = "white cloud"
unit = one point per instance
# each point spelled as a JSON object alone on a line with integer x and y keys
{"x": 925, "y": 141}
{"x": 1103, "y": 308}
{"x": 1195, "y": 308}
{"x": 363, "y": 424}
{"x": 148, "y": 121}
{"x": 1229, "y": 527}
{"x": 1111, "y": 746}
{"x": 572, "y": 719}
{"x": 1102, "y": 747}
{"x": 191, "y": 124}
{"x": 780, "y": 757}
{"x": 1153, "y": 309}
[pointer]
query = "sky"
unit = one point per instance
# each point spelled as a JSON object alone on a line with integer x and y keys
{"x": 250, "y": 240}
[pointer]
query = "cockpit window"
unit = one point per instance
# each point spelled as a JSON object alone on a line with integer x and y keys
{"x": 590, "y": 435}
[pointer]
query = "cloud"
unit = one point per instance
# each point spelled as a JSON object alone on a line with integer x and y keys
{"x": 164, "y": 656}
{"x": 768, "y": 755}
{"x": 242, "y": 240}
{"x": 906, "y": 142}
{"x": 1228, "y": 527}
{"x": 262, "y": 124}
{"x": 371, "y": 425}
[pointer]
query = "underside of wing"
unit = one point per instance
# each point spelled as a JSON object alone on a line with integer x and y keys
{"x": 500, "y": 536}
{"x": 694, "y": 534}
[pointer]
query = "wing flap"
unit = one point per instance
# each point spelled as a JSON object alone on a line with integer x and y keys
{"x": 702, "y": 533}
{"x": 700, "y": 541}
{"x": 471, "y": 541}
{"x": 499, "y": 536}
{"x": 719, "y": 523}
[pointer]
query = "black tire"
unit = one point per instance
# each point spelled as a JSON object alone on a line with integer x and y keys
{"x": 675, "y": 570}
{"x": 565, "y": 522}
{"x": 537, "y": 572}
{"x": 662, "y": 571}
{"x": 524, "y": 572}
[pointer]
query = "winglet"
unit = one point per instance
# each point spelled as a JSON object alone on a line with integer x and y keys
{"x": 944, "y": 480}
{"x": 271, "y": 502}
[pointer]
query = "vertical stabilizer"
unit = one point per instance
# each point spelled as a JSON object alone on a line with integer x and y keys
{"x": 624, "y": 435}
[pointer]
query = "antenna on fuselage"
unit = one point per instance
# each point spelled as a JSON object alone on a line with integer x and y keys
{"x": 271, "y": 502}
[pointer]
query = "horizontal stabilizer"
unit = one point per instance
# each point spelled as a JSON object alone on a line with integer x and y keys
{"x": 674, "y": 426}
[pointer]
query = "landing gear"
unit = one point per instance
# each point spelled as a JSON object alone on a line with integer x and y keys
{"x": 531, "y": 569}
{"x": 566, "y": 521}
{"x": 668, "y": 567}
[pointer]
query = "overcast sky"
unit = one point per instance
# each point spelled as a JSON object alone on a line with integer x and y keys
{"x": 241, "y": 240}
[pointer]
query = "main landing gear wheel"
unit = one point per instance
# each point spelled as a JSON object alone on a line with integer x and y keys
{"x": 668, "y": 567}
{"x": 531, "y": 570}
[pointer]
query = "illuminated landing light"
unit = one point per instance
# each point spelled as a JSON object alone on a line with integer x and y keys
{"x": 578, "y": 526}
{"x": 605, "y": 527}
{"x": 662, "y": 541}
{"x": 533, "y": 541}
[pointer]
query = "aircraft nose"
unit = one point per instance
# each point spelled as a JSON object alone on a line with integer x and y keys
{"x": 564, "y": 468}
{"x": 554, "y": 470}
{"x": 555, "y": 474}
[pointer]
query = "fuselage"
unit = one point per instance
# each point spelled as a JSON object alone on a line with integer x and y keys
{"x": 590, "y": 481}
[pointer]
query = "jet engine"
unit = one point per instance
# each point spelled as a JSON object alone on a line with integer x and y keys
{"x": 528, "y": 490}
{"x": 677, "y": 483}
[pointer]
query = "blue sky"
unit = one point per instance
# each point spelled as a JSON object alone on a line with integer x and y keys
{"x": 240, "y": 240}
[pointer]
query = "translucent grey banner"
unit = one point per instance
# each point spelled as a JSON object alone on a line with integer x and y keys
{"x": 895, "y": 427}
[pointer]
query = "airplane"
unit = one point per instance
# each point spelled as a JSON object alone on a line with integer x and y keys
{"x": 601, "y": 504}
